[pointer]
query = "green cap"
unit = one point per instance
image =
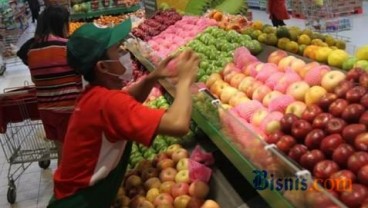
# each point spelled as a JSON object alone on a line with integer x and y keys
{"x": 88, "y": 43}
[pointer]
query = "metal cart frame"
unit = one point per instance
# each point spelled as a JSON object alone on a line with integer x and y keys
{"x": 22, "y": 136}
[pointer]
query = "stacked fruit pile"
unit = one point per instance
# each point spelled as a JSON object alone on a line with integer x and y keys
{"x": 160, "y": 142}
{"x": 229, "y": 22}
{"x": 73, "y": 26}
{"x": 179, "y": 34}
{"x": 216, "y": 46}
{"x": 165, "y": 182}
{"x": 292, "y": 38}
{"x": 155, "y": 25}
{"x": 360, "y": 60}
{"x": 261, "y": 93}
{"x": 330, "y": 138}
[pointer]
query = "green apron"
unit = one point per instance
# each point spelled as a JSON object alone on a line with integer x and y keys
{"x": 100, "y": 195}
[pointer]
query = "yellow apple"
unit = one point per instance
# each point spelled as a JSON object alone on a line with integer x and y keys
{"x": 297, "y": 65}
{"x": 258, "y": 116}
{"x": 238, "y": 98}
{"x": 331, "y": 79}
{"x": 322, "y": 54}
{"x": 337, "y": 58}
{"x": 303, "y": 71}
{"x": 314, "y": 94}
{"x": 245, "y": 83}
{"x": 212, "y": 79}
{"x": 298, "y": 90}
{"x": 276, "y": 56}
{"x": 285, "y": 63}
{"x": 227, "y": 93}
{"x": 297, "y": 108}
{"x": 236, "y": 79}
{"x": 270, "y": 96}
{"x": 152, "y": 194}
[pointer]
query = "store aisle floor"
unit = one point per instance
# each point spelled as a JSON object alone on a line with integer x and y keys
{"x": 34, "y": 188}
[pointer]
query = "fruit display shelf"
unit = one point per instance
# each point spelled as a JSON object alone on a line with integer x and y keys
{"x": 231, "y": 137}
{"x": 107, "y": 11}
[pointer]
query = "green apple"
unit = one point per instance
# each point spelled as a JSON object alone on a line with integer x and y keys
{"x": 149, "y": 153}
{"x": 349, "y": 63}
{"x": 363, "y": 64}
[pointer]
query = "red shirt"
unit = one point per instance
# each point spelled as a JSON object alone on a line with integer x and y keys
{"x": 278, "y": 9}
{"x": 102, "y": 122}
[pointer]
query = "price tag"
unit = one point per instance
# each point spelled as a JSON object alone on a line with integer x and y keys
{"x": 150, "y": 7}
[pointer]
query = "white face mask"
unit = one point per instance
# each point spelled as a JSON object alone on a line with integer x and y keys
{"x": 127, "y": 62}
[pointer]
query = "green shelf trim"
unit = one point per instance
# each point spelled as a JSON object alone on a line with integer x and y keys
{"x": 109, "y": 11}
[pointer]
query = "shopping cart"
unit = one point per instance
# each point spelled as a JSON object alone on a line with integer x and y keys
{"x": 22, "y": 135}
{"x": 324, "y": 16}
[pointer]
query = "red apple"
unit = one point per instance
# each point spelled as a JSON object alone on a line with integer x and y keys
{"x": 311, "y": 112}
{"x": 163, "y": 198}
{"x": 179, "y": 154}
{"x": 355, "y": 94}
{"x": 182, "y": 201}
{"x": 179, "y": 189}
{"x": 286, "y": 143}
{"x": 343, "y": 88}
{"x": 199, "y": 189}
{"x": 315, "y": 199}
{"x": 166, "y": 186}
{"x": 297, "y": 151}
{"x": 300, "y": 129}
{"x": 342, "y": 180}
{"x": 337, "y": 107}
{"x": 361, "y": 142}
{"x": 274, "y": 138}
{"x": 350, "y": 132}
{"x": 364, "y": 100}
{"x": 168, "y": 174}
{"x": 365, "y": 203}
{"x": 324, "y": 169}
{"x": 363, "y": 80}
{"x": 363, "y": 175}
{"x": 354, "y": 74}
{"x": 364, "y": 119}
{"x": 149, "y": 173}
{"x": 321, "y": 120}
{"x": 357, "y": 161}
{"x": 330, "y": 143}
{"x": 327, "y": 100}
{"x": 165, "y": 163}
{"x": 335, "y": 126}
{"x": 342, "y": 153}
{"x": 311, "y": 158}
{"x": 195, "y": 202}
{"x": 355, "y": 197}
{"x": 314, "y": 139}
{"x": 287, "y": 122}
{"x": 353, "y": 112}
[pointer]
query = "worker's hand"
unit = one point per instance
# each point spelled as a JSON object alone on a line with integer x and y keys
{"x": 187, "y": 66}
{"x": 163, "y": 70}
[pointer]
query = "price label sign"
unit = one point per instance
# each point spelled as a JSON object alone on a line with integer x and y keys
{"x": 150, "y": 6}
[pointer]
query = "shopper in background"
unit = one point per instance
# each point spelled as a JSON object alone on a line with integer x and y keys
{"x": 278, "y": 12}
{"x": 34, "y": 6}
{"x": 106, "y": 119}
{"x": 57, "y": 85}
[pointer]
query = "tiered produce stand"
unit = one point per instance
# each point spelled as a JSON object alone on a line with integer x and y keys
{"x": 255, "y": 85}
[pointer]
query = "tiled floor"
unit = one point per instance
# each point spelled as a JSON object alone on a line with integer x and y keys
{"x": 34, "y": 187}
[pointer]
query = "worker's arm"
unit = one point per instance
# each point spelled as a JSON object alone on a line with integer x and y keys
{"x": 141, "y": 89}
{"x": 176, "y": 120}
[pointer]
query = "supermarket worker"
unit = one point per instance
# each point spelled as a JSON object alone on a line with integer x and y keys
{"x": 106, "y": 119}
